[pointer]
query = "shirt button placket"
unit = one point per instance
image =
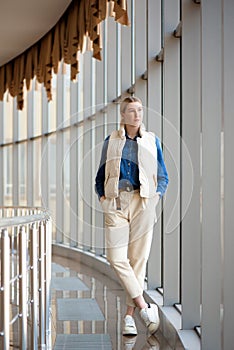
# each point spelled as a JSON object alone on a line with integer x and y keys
{"x": 128, "y": 170}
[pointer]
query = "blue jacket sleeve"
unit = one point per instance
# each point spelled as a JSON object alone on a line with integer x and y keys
{"x": 162, "y": 177}
{"x": 100, "y": 177}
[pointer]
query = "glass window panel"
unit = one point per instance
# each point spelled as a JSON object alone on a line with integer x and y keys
{"x": 37, "y": 164}
{"x": 67, "y": 90}
{"x": 23, "y": 173}
{"x": 52, "y": 104}
{"x": 37, "y": 112}
{"x": 66, "y": 186}
{"x": 52, "y": 178}
{"x": 22, "y": 118}
{"x": 80, "y": 184}
{"x": 8, "y": 175}
{"x": 8, "y": 118}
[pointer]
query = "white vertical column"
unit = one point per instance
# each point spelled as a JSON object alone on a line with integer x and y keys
{"x": 99, "y": 138}
{"x": 171, "y": 130}
{"x": 66, "y": 155}
{"x": 111, "y": 73}
{"x": 59, "y": 157}
{"x": 80, "y": 93}
{"x": 154, "y": 97}
{"x": 73, "y": 164}
{"x": 30, "y": 146}
{"x": 1, "y": 153}
{"x": 228, "y": 224}
{"x": 126, "y": 48}
{"x": 99, "y": 222}
{"x": 133, "y": 43}
{"x": 15, "y": 192}
{"x": 211, "y": 169}
{"x": 141, "y": 50}
{"x": 154, "y": 68}
{"x": 87, "y": 164}
{"x": 118, "y": 59}
{"x": 44, "y": 171}
{"x": 191, "y": 254}
{"x": 94, "y": 111}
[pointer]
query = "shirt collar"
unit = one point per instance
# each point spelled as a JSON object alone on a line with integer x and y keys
{"x": 135, "y": 138}
{"x": 122, "y": 132}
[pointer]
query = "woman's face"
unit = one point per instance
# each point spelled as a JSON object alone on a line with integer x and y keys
{"x": 133, "y": 114}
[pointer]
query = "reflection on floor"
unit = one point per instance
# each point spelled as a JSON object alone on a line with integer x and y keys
{"x": 87, "y": 310}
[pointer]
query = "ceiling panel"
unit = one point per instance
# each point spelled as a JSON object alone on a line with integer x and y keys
{"x": 24, "y": 22}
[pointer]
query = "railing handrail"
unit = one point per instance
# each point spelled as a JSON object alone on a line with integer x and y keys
{"x": 25, "y": 275}
{"x": 21, "y": 207}
{"x": 29, "y": 218}
{"x": 22, "y": 220}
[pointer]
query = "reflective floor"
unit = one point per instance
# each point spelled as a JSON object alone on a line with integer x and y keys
{"x": 87, "y": 311}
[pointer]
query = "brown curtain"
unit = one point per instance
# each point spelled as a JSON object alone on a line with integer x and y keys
{"x": 80, "y": 21}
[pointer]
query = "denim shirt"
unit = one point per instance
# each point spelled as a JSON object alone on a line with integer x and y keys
{"x": 129, "y": 171}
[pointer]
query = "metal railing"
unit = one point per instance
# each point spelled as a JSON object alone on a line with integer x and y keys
{"x": 25, "y": 277}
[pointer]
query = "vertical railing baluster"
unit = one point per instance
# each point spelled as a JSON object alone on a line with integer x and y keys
{"x": 23, "y": 287}
{"x": 48, "y": 240}
{"x": 25, "y": 257}
{"x": 5, "y": 291}
{"x": 13, "y": 267}
{"x": 34, "y": 285}
{"x": 41, "y": 285}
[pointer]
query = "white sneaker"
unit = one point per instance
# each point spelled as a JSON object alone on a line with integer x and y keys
{"x": 129, "y": 327}
{"x": 150, "y": 317}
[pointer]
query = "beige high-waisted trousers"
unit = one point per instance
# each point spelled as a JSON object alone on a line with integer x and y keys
{"x": 128, "y": 234}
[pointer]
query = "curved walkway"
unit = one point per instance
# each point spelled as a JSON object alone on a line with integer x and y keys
{"x": 87, "y": 309}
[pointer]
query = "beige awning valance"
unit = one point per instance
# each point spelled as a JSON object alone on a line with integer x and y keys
{"x": 80, "y": 21}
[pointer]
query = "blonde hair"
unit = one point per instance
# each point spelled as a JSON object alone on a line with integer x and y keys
{"x": 128, "y": 100}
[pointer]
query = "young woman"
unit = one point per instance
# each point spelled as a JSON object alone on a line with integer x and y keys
{"x": 131, "y": 179}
